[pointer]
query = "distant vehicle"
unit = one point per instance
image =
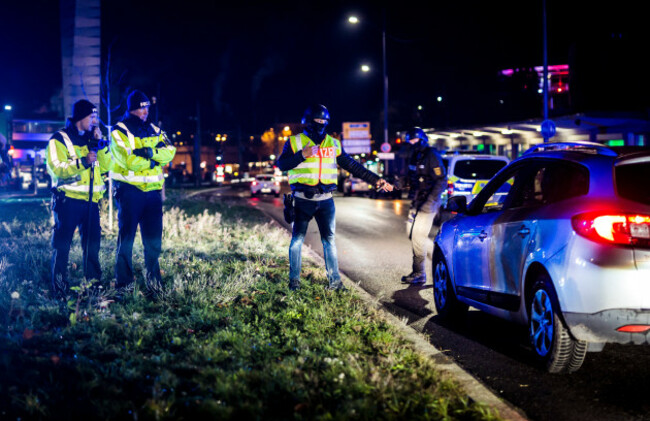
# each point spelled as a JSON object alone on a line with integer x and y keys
{"x": 28, "y": 143}
{"x": 559, "y": 240}
{"x": 265, "y": 184}
{"x": 467, "y": 174}
{"x": 354, "y": 185}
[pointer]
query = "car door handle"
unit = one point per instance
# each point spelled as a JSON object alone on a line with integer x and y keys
{"x": 524, "y": 231}
{"x": 482, "y": 236}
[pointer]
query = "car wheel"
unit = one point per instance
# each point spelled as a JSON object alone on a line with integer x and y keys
{"x": 447, "y": 304}
{"x": 555, "y": 349}
{"x": 276, "y": 194}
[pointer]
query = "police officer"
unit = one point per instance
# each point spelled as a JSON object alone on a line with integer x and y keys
{"x": 426, "y": 179}
{"x": 140, "y": 150}
{"x": 311, "y": 159}
{"x": 72, "y": 156}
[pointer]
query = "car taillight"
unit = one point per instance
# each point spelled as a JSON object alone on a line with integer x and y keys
{"x": 255, "y": 183}
{"x": 276, "y": 183}
{"x": 634, "y": 328}
{"x": 613, "y": 228}
{"x": 450, "y": 189}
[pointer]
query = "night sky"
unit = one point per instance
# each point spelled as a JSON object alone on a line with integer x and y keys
{"x": 251, "y": 65}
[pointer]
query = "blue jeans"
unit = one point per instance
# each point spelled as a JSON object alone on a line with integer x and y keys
{"x": 324, "y": 213}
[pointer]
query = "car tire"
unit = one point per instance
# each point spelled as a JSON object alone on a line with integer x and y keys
{"x": 447, "y": 304}
{"x": 276, "y": 194}
{"x": 554, "y": 347}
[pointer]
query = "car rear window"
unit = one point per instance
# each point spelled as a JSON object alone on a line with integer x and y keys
{"x": 264, "y": 177}
{"x": 478, "y": 169}
{"x": 630, "y": 182}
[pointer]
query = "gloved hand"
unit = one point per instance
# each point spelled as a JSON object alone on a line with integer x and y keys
{"x": 160, "y": 145}
{"x": 411, "y": 215}
{"x": 143, "y": 152}
{"x": 152, "y": 164}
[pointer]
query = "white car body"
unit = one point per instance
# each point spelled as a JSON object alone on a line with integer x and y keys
{"x": 569, "y": 227}
{"x": 265, "y": 184}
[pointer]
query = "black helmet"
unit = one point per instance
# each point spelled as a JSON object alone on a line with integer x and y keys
{"x": 315, "y": 113}
{"x": 416, "y": 132}
{"x": 316, "y": 118}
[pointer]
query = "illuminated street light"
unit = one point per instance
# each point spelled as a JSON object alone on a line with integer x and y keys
{"x": 365, "y": 68}
{"x": 355, "y": 20}
{"x": 439, "y": 99}
{"x": 420, "y": 107}
{"x": 7, "y": 107}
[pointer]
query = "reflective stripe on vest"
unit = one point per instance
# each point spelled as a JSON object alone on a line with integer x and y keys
{"x": 129, "y": 135}
{"x": 68, "y": 144}
{"x": 82, "y": 188}
{"x": 315, "y": 169}
{"x": 137, "y": 178}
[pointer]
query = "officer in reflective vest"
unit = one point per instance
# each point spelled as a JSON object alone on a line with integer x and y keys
{"x": 71, "y": 154}
{"x": 311, "y": 159}
{"x": 140, "y": 150}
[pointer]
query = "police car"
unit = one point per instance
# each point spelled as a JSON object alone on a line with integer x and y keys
{"x": 467, "y": 173}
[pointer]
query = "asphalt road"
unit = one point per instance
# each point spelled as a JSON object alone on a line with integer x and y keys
{"x": 374, "y": 251}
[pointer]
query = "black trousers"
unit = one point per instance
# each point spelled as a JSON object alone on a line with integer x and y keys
{"x": 135, "y": 207}
{"x": 68, "y": 215}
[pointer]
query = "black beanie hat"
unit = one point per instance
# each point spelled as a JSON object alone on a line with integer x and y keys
{"x": 82, "y": 109}
{"x": 137, "y": 100}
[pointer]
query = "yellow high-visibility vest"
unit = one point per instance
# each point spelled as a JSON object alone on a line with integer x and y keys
{"x": 133, "y": 169}
{"x": 318, "y": 168}
{"x": 69, "y": 175}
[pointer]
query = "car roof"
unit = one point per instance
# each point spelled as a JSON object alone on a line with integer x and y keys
{"x": 585, "y": 151}
{"x": 456, "y": 157}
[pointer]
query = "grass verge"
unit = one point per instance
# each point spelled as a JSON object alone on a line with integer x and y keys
{"x": 225, "y": 340}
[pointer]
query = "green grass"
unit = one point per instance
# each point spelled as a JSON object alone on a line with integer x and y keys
{"x": 225, "y": 340}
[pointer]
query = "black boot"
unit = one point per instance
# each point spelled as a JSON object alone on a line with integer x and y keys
{"x": 414, "y": 278}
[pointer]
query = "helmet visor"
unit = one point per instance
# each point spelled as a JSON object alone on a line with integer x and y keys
{"x": 320, "y": 121}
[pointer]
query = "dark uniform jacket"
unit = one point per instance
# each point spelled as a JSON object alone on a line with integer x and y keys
{"x": 425, "y": 176}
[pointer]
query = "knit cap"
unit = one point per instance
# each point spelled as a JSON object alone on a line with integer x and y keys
{"x": 136, "y": 100}
{"x": 82, "y": 109}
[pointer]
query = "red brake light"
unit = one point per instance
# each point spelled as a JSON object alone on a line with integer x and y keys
{"x": 276, "y": 183}
{"x": 634, "y": 328}
{"x": 450, "y": 189}
{"x": 255, "y": 183}
{"x": 613, "y": 228}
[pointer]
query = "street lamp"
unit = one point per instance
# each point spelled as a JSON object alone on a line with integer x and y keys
{"x": 355, "y": 20}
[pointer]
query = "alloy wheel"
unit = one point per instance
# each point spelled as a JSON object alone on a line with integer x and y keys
{"x": 541, "y": 323}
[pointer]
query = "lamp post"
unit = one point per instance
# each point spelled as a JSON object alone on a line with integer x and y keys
{"x": 355, "y": 20}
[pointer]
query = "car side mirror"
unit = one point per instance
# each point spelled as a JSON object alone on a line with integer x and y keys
{"x": 457, "y": 204}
